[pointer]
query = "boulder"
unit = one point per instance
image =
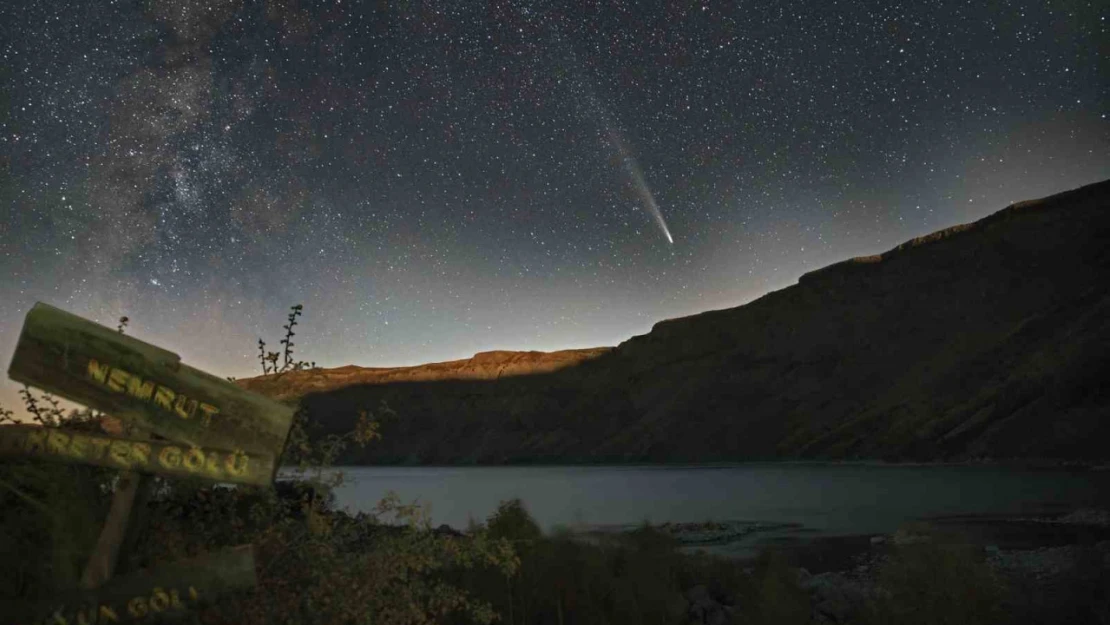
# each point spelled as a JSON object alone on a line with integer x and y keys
{"x": 704, "y": 609}
{"x": 835, "y": 598}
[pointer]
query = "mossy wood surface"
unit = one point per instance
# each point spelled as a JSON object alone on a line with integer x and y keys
{"x": 151, "y": 595}
{"x": 144, "y": 456}
{"x": 144, "y": 384}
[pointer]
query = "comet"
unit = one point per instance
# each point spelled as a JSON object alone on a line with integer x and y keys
{"x": 632, "y": 168}
{"x": 601, "y": 115}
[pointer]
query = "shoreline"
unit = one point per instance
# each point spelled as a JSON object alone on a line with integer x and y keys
{"x": 1018, "y": 464}
{"x": 818, "y": 553}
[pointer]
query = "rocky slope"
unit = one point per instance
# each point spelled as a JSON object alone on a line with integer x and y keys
{"x": 987, "y": 339}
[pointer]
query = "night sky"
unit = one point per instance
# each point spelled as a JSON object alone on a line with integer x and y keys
{"x": 436, "y": 179}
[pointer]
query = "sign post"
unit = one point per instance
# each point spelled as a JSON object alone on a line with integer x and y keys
{"x": 185, "y": 423}
{"x": 144, "y": 385}
{"x": 128, "y": 454}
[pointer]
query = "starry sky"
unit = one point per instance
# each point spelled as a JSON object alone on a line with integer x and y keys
{"x": 434, "y": 179}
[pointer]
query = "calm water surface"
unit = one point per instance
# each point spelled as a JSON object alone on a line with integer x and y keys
{"x": 822, "y": 499}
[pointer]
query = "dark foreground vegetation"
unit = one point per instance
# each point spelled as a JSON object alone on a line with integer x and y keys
{"x": 319, "y": 565}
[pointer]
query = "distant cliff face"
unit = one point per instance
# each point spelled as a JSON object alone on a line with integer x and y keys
{"x": 987, "y": 339}
{"x": 482, "y": 366}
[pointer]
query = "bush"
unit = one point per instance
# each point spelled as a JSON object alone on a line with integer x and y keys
{"x": 775, "y": 598}
{"x": 50, "y": 513}
{"x": 632, "y": 577}
{"x": 512, "y": 522}
{"x": 932, "y": 583}
{"x": 315, "y": 564}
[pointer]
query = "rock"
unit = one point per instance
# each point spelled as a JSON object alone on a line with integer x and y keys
{"x": 703, "y": 608}
{"x": 877, "y": 540}
{"x": 803, "y": 576}
{"x": 1099, "y": 518}
{"x": 698, "y": 594}
{"x": 1040, "y": 563}
{"x": 834, "y": 597}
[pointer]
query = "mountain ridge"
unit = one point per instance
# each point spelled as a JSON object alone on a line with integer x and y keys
{"x": 982, "y": 339}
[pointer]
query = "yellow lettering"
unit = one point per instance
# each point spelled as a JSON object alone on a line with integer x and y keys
{"x": 163, "y": 397}
{"x": 97, "y": 371}
{"x": 212, "y": 463}
{"x": 57, "y": 443}
{"x": 175, "y": 598}
{"x": 159, "y": 600}
{"x": 120, "y": 452}
{"x": 137, "y": 607}
{"x": 36, "y": 441}
{"x": 107, "y": 613}
{"x": 140, "y": 453}
{"x": 99, "y": 445}
{"x": 117, "y": 380}
{"x": 194, "y": 460}
{"x": 78, "y": 446}
{"x": 209, "y": 410}
{"x": 170, "y": 457}
{"x": 140, "y": 389}
{"x": 236, "y": 463}
{"x": 185, "y": 407}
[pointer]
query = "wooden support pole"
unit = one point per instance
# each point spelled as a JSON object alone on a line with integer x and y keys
{"x": 102, "y": 563}
{"x": 136, "y": 526}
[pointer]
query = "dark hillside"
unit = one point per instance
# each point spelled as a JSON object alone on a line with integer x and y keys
{"x": 987, "y": 339}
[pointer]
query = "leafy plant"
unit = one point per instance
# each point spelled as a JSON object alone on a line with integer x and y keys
{"x": 50, "y": 513}
{"x": 269, "y": 360}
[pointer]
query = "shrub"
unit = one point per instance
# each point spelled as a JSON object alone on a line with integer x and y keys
{"x": 50, "y": 513}
{"x": 774, "y": 597}
{"x": 934, "y": 583}
{"x": 315, "y": 564}
{"x": 512, "y": 522}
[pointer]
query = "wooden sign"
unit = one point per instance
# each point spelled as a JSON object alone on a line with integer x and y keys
{"x": 146, "y": 596}
{"x": 144, "y": 456}
{"x": 145, "y": 385}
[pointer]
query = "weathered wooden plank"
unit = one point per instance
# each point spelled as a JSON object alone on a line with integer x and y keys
{"x": 144, "y": 456}
{"x": 144, "y": 384}
{"x": 147, "y": 595}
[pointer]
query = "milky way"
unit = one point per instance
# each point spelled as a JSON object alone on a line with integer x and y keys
{"x": 423, "y": 178}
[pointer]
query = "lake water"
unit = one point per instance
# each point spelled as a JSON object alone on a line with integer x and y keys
{"x": 813, "y": 498}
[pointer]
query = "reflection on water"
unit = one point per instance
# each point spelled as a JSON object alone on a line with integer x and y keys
{"x": 814, "y": 498}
